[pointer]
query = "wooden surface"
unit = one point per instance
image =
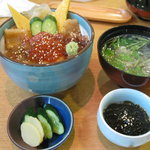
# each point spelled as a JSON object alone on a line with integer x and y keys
{"x": 83, "y": 98}
{"x": 113, "y": 15}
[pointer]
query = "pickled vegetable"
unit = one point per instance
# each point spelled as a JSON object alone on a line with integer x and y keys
{"x": 35, "y": 25}
{"x": 49, "y": 24}
{"x": 53, "y": 115}
{"x": 30, "y": 134}
{"x": 34, "y": 121}
{"x": 21, "y": 21}
{"x": 48, "y": 133}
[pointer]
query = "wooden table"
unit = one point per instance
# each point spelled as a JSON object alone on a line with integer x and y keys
{"x": 83, "y": 99}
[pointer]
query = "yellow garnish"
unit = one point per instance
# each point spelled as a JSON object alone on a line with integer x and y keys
{"x": 21, "y": 21}
{"x": 61, "y": 13}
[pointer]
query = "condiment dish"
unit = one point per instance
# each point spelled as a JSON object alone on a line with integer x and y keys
{"x": 16, "y": 117}
{"x": 119, "y": 96}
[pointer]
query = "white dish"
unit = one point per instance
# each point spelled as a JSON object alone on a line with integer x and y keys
{"x": 116, "y": 96}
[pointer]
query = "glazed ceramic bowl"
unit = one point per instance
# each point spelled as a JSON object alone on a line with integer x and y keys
{"x": 16, "y": 116}
{"x": 140, "y": 8}
{"x": 118, "y": 96}
{"x": 120, "y": 77}
{"x": 52, "y": 78}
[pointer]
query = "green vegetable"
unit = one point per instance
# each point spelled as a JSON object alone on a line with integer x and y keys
{"x": 109, "y": 54}
{"x": 35, "y": 25}
{"x": 126, "y": 53}
{"x": 72, "y": 48}
{"x": 53, "y": 115}
{"x": 49, "y": 24}
{"x": 41, "y": 124}
{"x": 42, "y": 116}
{"x": 118, "y": 64}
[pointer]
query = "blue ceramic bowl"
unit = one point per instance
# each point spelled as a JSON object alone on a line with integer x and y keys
{"x": 53, "y": 78}
{"x": 15, "y": 118}
{"x": 119, "y": 96}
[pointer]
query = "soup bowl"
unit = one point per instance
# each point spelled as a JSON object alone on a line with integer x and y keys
{"x": 121, "y": 77}
{"x": 52, "y": 78}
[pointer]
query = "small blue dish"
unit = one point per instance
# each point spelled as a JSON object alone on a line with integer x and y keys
{"x": 15, "y": 119}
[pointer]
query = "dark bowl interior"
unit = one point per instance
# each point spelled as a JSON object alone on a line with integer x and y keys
{"x": 120, "y": 77}
{"x": 15, "y": 119}
{"x": 141, "y": 8}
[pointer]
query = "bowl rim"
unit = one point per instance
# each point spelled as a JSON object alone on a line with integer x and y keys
{"x": 34, "y": 98}
{"x": 107, "y": 33}
{"x": 147, "y": 10}
{"x": 100, "y": 113}
{"x": 55, "y": 63}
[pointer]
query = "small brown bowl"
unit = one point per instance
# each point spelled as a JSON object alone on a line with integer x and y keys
{"x": 140, "y": 8}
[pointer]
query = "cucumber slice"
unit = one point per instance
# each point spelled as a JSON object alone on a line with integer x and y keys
{"x": 42, "y": 116}
{"x": 35, "y": 25}
{"x": 30, "y": 134}
{"x": 49, "y": 24}
{"x": 36, "y": 123}
{"x": 53, "y": 115}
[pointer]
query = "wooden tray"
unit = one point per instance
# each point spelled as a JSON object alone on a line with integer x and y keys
{"x": 96, "y": 13}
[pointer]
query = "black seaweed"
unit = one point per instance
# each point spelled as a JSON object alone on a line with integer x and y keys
{"x": 127, "y": 118}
